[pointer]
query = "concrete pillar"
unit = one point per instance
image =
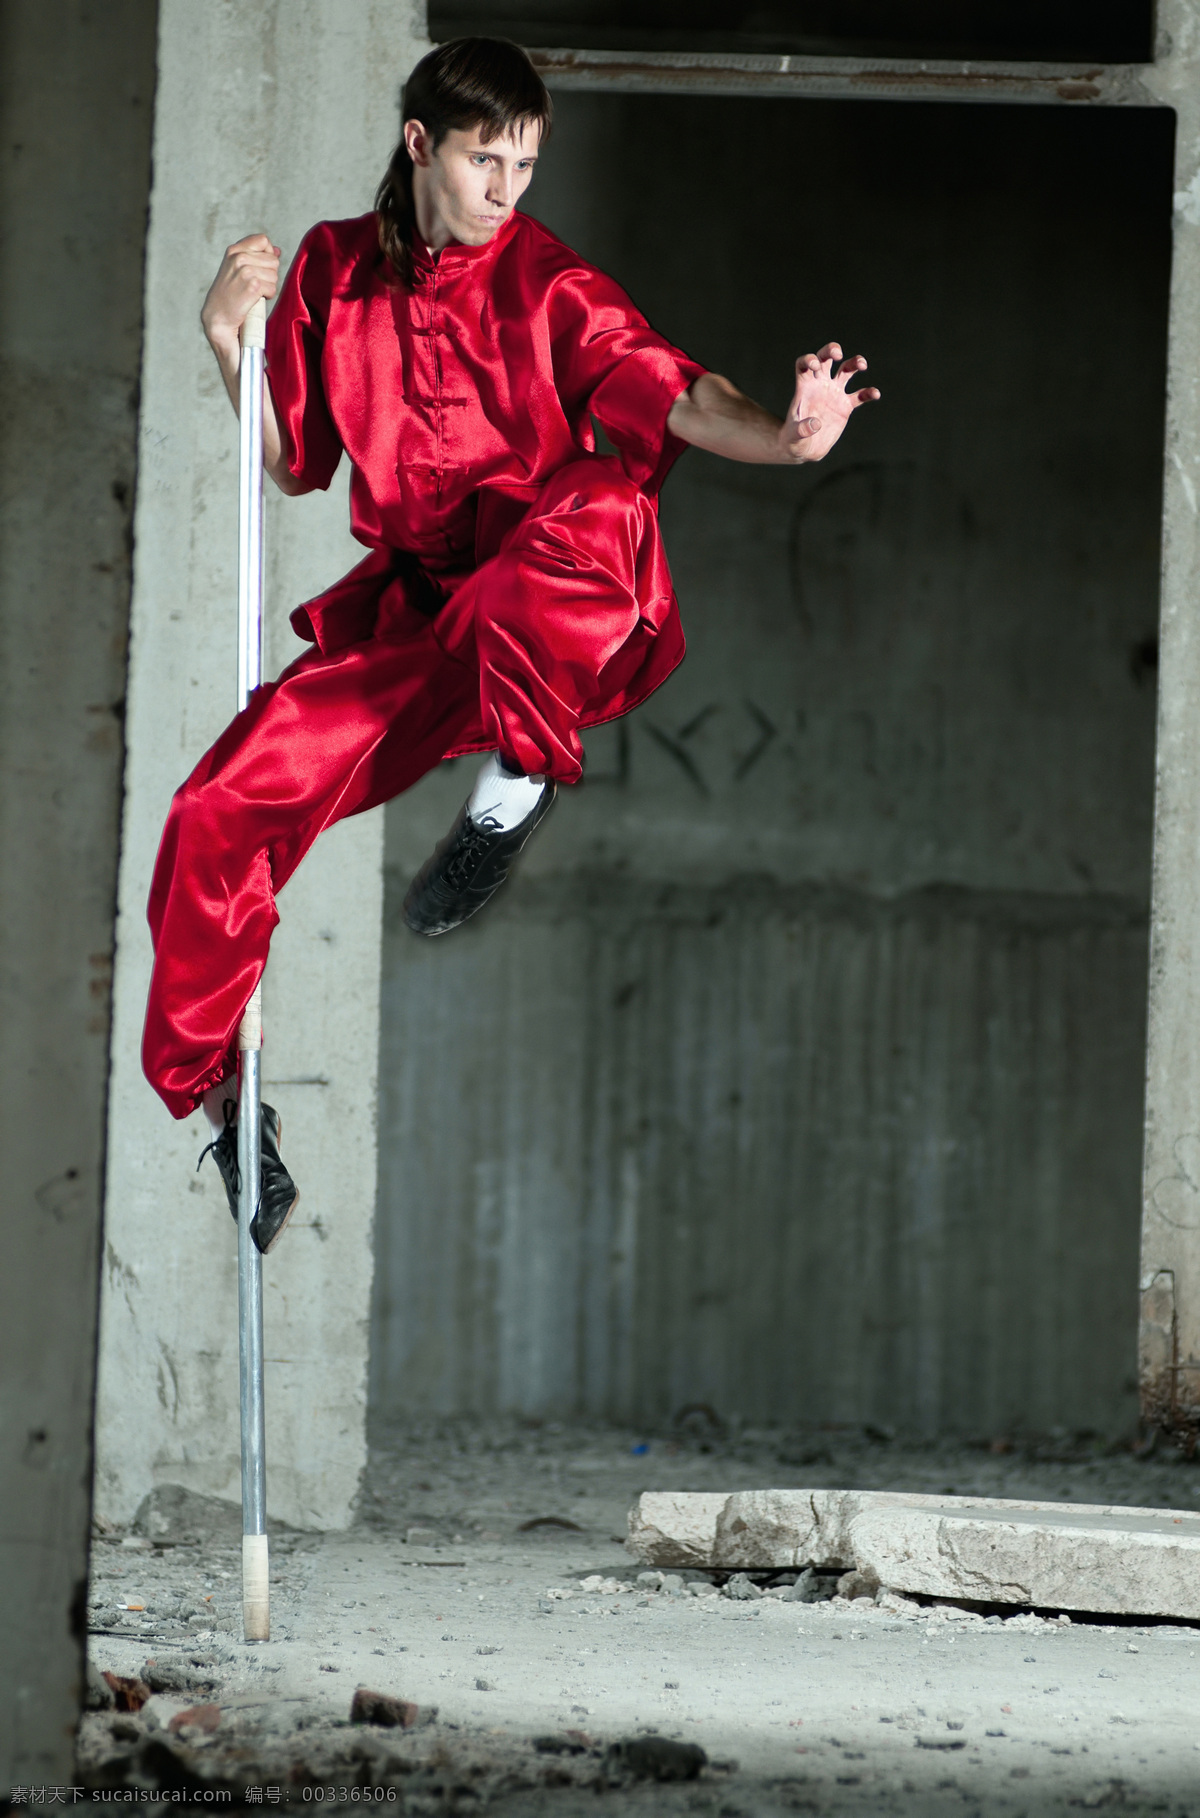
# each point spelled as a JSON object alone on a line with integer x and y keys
{"x": 76, "y": 94}
{"x": 1170, "y": 1323}
{"x": 270, "y": 115}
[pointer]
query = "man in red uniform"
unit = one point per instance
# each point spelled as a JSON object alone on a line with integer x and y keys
{"x": 516, "y": 589}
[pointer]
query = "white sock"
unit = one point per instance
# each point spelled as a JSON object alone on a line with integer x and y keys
{"x": 501, "y": 799}
{"x": 214, "y": 1104}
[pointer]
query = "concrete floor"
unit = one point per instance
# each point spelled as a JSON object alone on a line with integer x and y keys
{"x": 442, "y": 1595}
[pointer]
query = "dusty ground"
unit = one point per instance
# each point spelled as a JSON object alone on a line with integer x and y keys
{"x": 442, "y": 1595}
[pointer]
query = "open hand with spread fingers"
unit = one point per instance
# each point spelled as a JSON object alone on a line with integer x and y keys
{"x": 822, "y": 406}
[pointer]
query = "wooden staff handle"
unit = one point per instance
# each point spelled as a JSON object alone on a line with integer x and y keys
{"x": 256, "y": 1587}
{"x": 250, "y": 1028}
{"x": 254, "y": 328}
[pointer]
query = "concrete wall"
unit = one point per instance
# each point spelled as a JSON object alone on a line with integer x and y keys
{"x": 1170, "y": 1263}
{"x": 801, "y": 1071}
{"x": 76, "y": 93}
{"x": 269, "y": 115}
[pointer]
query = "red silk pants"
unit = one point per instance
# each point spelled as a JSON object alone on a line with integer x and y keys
{"x": 530, "y": 645}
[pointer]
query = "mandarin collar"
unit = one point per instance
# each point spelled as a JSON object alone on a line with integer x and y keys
{"x": 456, "y": 255}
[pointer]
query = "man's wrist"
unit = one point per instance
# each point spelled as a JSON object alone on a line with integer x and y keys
{"x": 226, "y": 345}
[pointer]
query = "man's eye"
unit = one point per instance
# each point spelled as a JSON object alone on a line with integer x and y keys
{"x": 480, "y": 158}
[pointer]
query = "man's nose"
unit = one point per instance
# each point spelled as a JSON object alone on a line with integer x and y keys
{"x": 500, "y": 189}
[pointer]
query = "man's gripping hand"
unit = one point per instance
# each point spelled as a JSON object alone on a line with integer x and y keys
{"x": 249, "y": 270}
{"x": 822, "y": 406}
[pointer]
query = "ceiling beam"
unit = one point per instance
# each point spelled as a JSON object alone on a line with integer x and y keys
{"x": 848, "y": 78}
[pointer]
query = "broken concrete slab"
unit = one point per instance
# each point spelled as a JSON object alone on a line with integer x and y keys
{"x": 1119, "y": 1561}
{"x": 676, "y": 1527}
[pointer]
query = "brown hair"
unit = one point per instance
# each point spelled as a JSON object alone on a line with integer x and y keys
{"x": 484, "y": 82}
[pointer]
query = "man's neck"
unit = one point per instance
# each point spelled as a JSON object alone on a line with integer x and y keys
{"x": 430, "y": 226}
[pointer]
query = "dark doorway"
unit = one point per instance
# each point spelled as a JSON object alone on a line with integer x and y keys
{"x": 800, "y": 1072}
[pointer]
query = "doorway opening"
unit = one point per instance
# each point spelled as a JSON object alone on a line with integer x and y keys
{"x": 799, "y": 1073}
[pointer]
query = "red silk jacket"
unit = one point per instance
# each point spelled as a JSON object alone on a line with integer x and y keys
{"x": 456, "y": 401}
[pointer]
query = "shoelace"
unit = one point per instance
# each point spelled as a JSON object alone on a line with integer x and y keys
{"x": 229, "y": 1115}
{"x": 472, "y": 846}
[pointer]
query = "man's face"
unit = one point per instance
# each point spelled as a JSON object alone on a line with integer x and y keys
{"x": 466, "y": 189}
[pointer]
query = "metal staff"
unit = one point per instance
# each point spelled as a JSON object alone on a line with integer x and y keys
{"x": 256, "y": 1607}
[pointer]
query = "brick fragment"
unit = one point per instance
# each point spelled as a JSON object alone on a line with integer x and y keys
{"x": 202, "y": 1717}
{"x": 128, "y": 1694}
{"x": 378, "y": 1707}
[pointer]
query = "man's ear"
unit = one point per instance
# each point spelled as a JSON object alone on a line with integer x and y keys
{"x": 420, "y": 150}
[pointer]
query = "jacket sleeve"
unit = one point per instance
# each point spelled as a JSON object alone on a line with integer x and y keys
{"x": 295, "y": 342}
{"x": 611, "y": 365}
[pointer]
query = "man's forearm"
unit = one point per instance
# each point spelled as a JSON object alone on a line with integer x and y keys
{"x": 714, "y": 415}
{"x": 228, "y": 356}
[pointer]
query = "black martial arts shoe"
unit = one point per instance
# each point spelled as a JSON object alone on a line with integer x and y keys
{"x": 468, "y": 868}
{"x": 278, "y": 1197}
{"x": 224, "y": 1153}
